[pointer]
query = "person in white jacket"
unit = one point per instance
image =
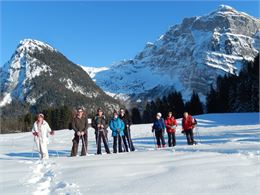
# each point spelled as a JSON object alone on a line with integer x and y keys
{"x": 41, "y": 131}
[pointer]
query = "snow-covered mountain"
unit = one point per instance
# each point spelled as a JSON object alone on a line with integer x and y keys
{"x": 188, "y": 57}
{"x": 40, "y": 76}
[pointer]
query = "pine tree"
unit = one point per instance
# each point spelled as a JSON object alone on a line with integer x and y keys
{"x": 194, "y": 106}
{"x": 136, "y": 116}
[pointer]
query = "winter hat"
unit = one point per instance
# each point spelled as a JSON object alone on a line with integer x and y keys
{"x": 99, "y": 109}
{"x": 41, "y": 115}
{"x": 115, "y": 112}
{"x": 80, "y": 109}
{"x": 159, "y": 114}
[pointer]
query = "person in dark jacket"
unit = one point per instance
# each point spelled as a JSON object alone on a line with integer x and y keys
{"x": 159, "y": 128}
{"x": 99, "y": 123}
{"x": 80, "y": 126}
{"x": 171, "y": 124}
{"x": 127, "y": 132}
{"x": 117, "y": 126}
{"x": 187, "y": 127}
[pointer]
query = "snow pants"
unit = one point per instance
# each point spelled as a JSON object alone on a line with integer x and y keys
{"x": 42, "y": 147}
{"x": 74, "y": 150}
{"x": 127, "y": 133}
{"x": 189, "y": 136}
{"x": 171, "y": 139}
{"x": 160, "y": 138}
{"x": 101, "y": 135}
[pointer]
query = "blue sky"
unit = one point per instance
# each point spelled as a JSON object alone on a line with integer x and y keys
{"x": 98, "y": 33}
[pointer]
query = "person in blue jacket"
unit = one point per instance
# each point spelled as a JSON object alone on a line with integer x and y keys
{"x": 117, "y": 126}
{"x": 159, "y": 128}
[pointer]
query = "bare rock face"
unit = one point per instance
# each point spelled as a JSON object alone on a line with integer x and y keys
{"x": 188, "y": 57}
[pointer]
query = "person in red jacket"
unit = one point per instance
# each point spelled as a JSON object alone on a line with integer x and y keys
{"x": 171, "y": 124}
{"x": 187, "y": 127}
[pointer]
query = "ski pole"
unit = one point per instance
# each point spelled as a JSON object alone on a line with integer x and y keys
{"x": 33, "y": 149}
{"x": 97, "y": 139}
{"x": 129, "y": 139}
{"x": 121, "y": 140}
{"x": 198, "y": 134}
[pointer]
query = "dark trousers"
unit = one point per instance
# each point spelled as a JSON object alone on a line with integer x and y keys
{"x": 171, "y": 139}
{"x": 75, "y": 145}
{"x": 102, "y": 135}
{"x": 159, "y": 138}
{"x": 189, "y": 136}
{"x": 127, "y": 133}
{"x": 119, "y": 139}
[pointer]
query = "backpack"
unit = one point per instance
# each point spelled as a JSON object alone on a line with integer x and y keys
{"x": 195, "y": 121}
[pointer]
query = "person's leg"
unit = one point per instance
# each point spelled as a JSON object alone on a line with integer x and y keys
{"x": 84, "y": 145}
{"x": 125, "y": 143}
{"x": 192, "y": 137}
{"x": 98, "y": 143}
{"x": 187, "y": 136}
{"x": 131, "y": 145}
{"x": 75, "y": 142}
{"x": 173, "y": 139}
{"x": 169, "y": 139}
{"x": 157, "y": 135}
{"x": 120, "y": 144}
{"x": 115, "y": 144}
{"x": 162, "y": 138}
{"x": 104, "y": 138}
{"x": 44, "y": 150}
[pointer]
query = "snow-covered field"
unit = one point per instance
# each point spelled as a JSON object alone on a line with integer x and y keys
{"x": 226, "y": 161}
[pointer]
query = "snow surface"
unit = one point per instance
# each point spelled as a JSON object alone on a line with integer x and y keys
{"x": 226, "y": 161}
{"x": 92, "y": 71}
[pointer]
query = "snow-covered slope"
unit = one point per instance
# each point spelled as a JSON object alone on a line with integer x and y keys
{"x": 37, "y": 71}
{"x": 188, "y": 57}
{"x": 226, "y": 161}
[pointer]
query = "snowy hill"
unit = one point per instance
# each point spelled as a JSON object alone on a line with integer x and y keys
{"x": 226, "y": 161}
{"x": 37, "y": 71}
{"x": 188, "y": 57}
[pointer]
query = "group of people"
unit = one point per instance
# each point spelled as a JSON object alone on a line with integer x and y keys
{"x": 120, "y": 127}
{"x": 170, "y": 124}
{"x": 119, "y": 124}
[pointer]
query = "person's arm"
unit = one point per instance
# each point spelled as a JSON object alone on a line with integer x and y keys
{"x": 111, "y": 125}
{"x": 35, "y": 130}
{"x": 86, "y": 125}
{"x": 122, "y": 125}
{"x": 93, "y": 123}
{"x": 129, "y": 121}
{"x": 166, "y": 124}
{"x": 74, "y": 126}
{"x": 105, "y": 123}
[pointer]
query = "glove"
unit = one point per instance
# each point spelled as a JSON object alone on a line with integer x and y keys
{"x": 152, "y": 130}
{"x": 182, "y": 131}
{"x": 173, "y": 127}
{"x": 52, "y": 133}
{"x": 78, "y": 133}
{"x": 35, "y": 133}
{"x": 118, "y": 130}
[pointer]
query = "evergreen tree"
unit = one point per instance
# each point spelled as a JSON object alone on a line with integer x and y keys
{"x": 211, "y": 101}
{"x": 136, "y": 116}
{"x": 194, "y": 106}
